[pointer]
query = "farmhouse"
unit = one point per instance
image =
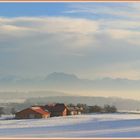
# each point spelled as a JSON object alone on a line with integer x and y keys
{"x": 33, "y": 113}
{"x": 58, "y": 109}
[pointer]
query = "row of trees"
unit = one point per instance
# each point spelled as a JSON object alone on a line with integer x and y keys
{"x": 95, "y": 108}
{"x": 106, "y": 109}
{"x": 85, "y": 109}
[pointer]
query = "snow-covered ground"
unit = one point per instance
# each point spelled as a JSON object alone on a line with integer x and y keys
{"x": 95, "y": 125}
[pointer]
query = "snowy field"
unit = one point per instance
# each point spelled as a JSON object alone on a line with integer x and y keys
{"x": 95, "y": 125}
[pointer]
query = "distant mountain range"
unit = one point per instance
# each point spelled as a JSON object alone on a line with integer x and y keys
{"x": 64, "y": 87}
{"x": 63, "y": 81}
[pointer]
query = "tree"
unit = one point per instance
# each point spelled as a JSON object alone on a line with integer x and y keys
{"x": 13, "y": 111}
{"x": 84, "y": 107}
{"x": 113, "y": 109}
{"x": 110, "y": 109}
{"x": 70, "y": 105}
{"x": 95, "y": 108}
{"x": 1, "y": 111}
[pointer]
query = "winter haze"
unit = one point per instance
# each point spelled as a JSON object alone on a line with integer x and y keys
{"x": 70, "y": 49}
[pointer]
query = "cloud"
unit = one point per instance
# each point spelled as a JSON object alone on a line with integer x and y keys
{"x": 83, "y": 30}
{"x": 62, "y": 27}
{"x": 37, "y": 45}
{"x": 52, "y": 24}
{"x": 108, "y": 10}
{"x": 41, "y": 45}
{"x": 123, "y": 34}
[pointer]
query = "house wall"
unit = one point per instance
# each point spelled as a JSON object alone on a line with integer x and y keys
{"x": 29, "y": 114}
{"x": 64, "y": 113}
{"x": 46, "y": 116}
{"x": 79, "y": 113}
{"x": 59, "y": 113}
{"x": 73, "y": 112}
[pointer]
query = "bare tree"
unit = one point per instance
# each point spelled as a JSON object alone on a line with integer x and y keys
{"x": 13, "y": 111}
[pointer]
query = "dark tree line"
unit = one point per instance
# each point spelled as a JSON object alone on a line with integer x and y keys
{"x": 95, "y": 108}
{"x": 1, "y": 111}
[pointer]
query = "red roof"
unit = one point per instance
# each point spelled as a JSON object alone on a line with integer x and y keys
{"x": 40, "y": 110}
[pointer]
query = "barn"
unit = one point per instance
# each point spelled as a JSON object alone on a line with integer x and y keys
{"x": 34, "y": 112}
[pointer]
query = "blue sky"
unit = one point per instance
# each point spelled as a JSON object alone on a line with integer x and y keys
{"x": 31, "y": 9}
{"x": 53, "y": 9}
{"x": 91, "y": 40}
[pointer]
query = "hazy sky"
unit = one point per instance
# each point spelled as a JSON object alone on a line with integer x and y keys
{"x": 91, "y": 40}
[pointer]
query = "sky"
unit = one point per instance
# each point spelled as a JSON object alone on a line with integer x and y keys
{"x": 89, "y": 39}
